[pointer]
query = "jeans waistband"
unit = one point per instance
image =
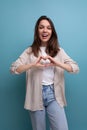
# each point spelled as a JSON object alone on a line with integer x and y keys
{"x": 48, "y": 85}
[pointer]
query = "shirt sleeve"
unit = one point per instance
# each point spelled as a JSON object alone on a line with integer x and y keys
{"x": 68, "y": 60}
{"x": 22, "y": 60}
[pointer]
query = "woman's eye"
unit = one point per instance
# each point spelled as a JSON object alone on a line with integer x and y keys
{"x": 41, "y": 27}
{"x": 49, "y": 28}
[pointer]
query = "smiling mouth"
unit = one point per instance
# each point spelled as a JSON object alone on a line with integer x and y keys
{"x": 44, "y": 35}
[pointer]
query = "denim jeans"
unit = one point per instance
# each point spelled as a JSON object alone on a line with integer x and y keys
{"x": 56, "y": 114}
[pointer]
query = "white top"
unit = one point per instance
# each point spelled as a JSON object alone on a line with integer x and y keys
{"x": 48, "y": 72}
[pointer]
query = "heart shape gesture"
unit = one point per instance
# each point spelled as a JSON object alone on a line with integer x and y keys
{"x": 45, "y": 61}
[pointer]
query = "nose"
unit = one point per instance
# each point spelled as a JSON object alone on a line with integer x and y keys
{"x": 45, "y": 29}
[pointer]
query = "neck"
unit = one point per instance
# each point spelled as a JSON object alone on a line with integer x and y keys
{"x": 44, "y": 44}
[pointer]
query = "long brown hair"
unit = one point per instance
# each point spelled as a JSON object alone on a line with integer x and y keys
{"x": 52, "y": 47}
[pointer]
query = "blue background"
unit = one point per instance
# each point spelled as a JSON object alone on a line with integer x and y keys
{"x": 17, "y": 20}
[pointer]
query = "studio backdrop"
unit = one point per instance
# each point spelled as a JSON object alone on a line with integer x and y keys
{"x": 17, "y": 21}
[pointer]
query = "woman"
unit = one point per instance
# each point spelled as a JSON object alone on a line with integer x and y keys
{"x": 44, "y": 62}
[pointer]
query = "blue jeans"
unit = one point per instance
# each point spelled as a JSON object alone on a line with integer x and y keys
{"x": 56, "y": 114}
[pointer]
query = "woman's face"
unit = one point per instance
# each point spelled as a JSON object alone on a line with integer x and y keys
{"x": 44, "y": 31}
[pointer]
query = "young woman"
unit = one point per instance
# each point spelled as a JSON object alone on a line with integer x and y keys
{"x": 44, "y": 62}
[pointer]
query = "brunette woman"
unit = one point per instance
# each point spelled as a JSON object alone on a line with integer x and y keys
{"x": 44, "y": 63}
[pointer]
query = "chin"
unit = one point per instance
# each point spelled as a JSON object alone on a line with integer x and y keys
{"x": 44, "y": 41}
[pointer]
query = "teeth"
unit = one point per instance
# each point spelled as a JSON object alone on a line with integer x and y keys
{"x": 44, "y": 35}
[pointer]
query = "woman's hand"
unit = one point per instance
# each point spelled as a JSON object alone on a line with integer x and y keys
{"x": 53, "y": 62}
{"x": 25, "y": 67}
{"x": 38, "y": 62}
{"x": 45, "y": 61}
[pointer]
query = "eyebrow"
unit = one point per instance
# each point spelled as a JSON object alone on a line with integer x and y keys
{"x": 44, "y": 25}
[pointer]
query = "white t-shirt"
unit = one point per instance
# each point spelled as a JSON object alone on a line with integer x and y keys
{"x": 48, "y": 72}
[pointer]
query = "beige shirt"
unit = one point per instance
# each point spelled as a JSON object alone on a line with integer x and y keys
{"x": 33, "y": 98}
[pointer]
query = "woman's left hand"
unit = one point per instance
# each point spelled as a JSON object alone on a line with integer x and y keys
{"x": 53, "y": 62}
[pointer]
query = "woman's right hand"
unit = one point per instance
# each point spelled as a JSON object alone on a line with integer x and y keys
{"x": 23, "y": 68}
{"x": 38, "y": 63}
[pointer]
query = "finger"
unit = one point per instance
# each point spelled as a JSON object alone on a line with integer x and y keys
{"x": 48, "y": 65}
{"x": 50, "y": 58}
{"x": 40, "y": 65}
{"x": 39, "y": 58}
